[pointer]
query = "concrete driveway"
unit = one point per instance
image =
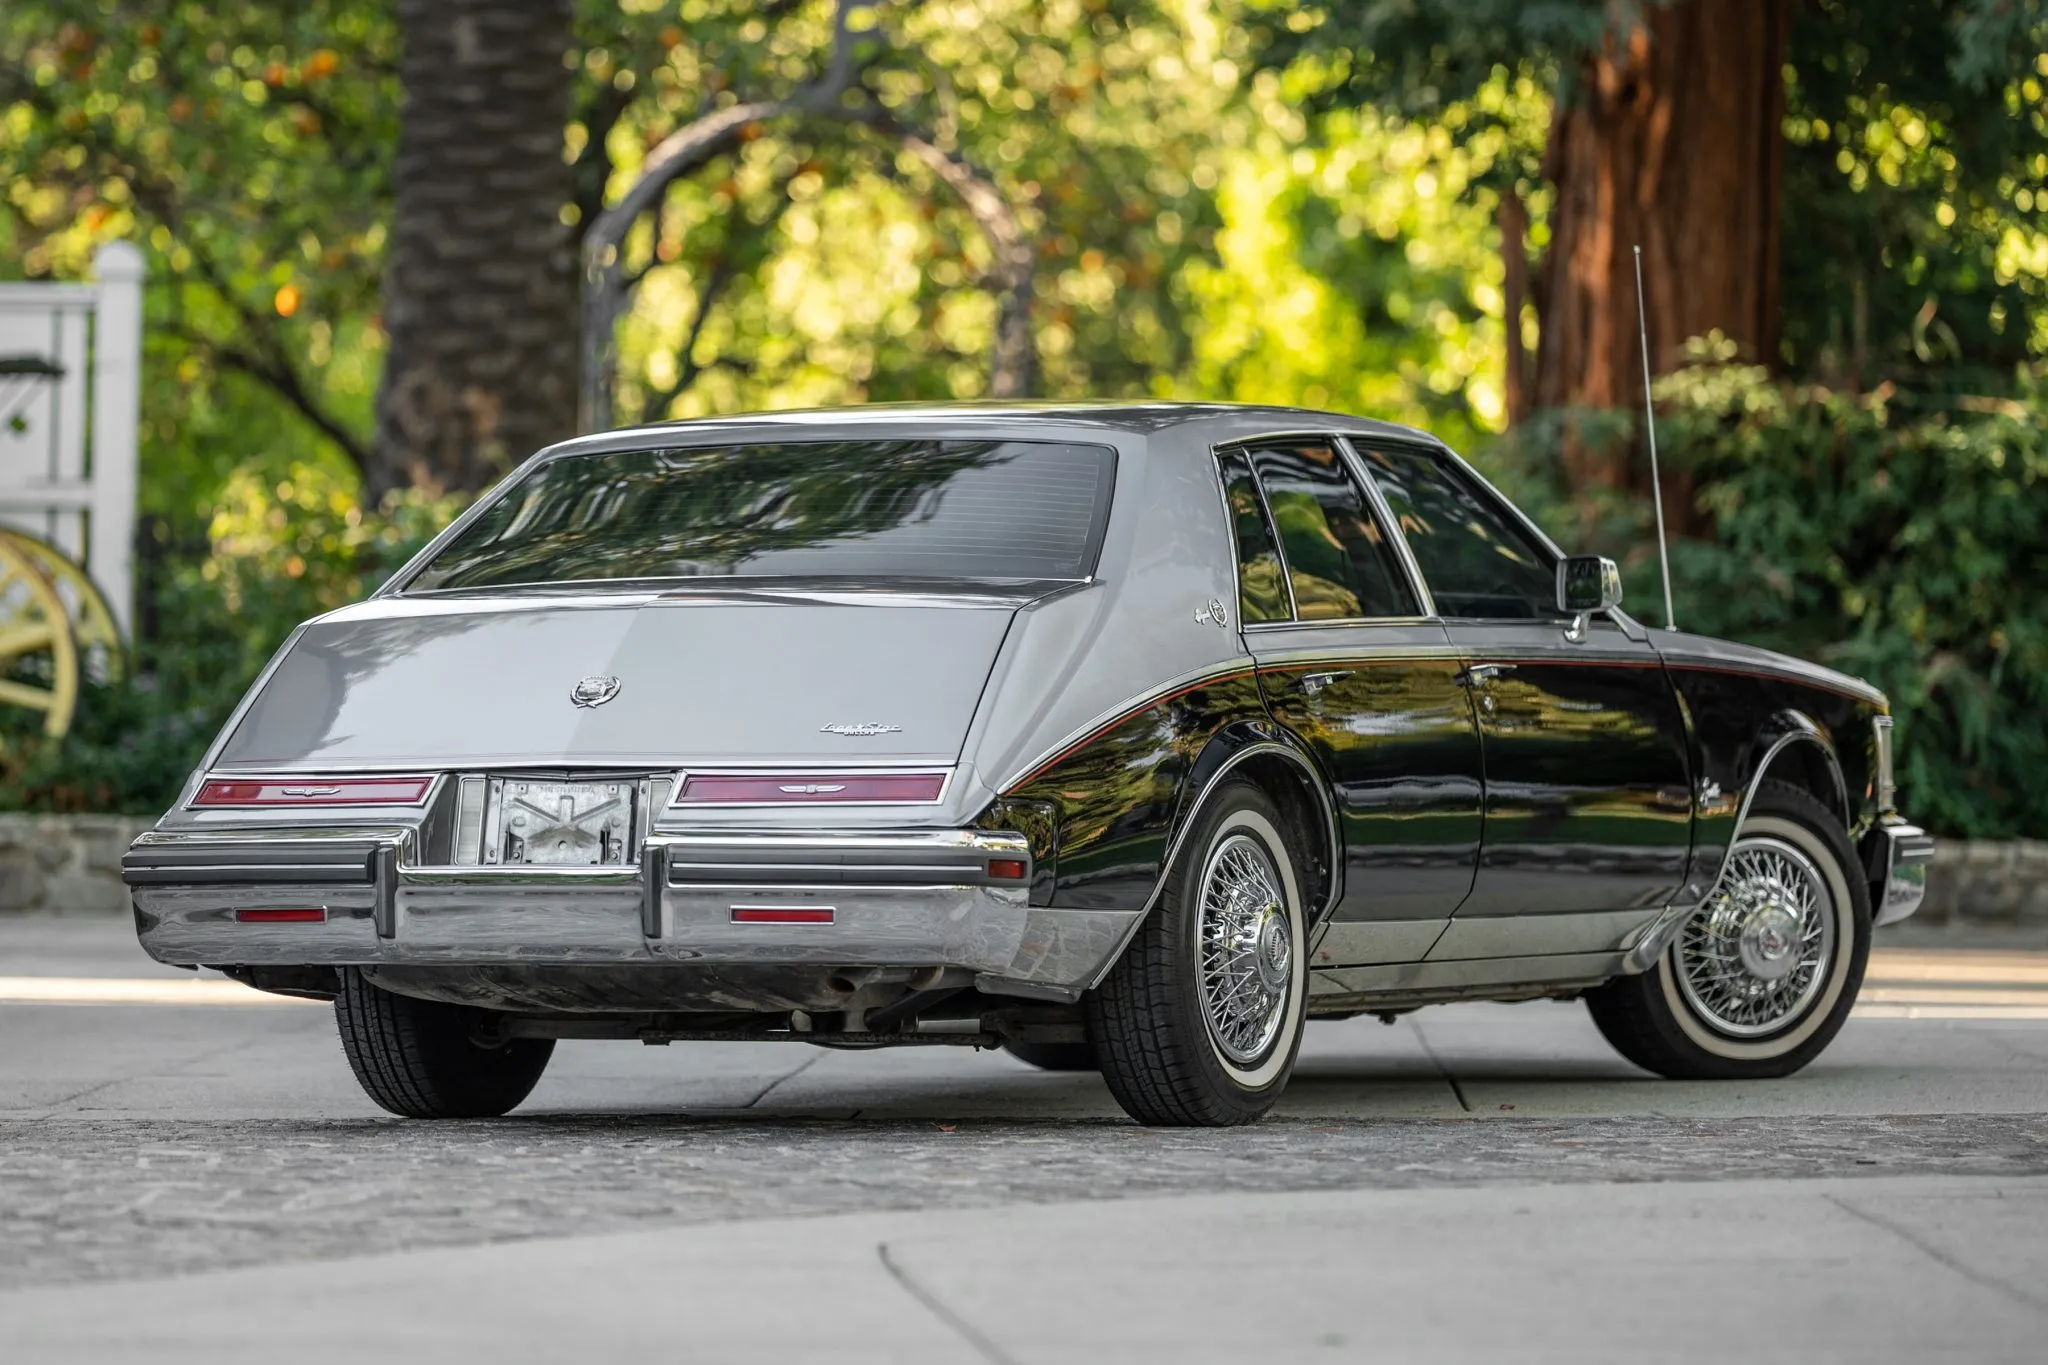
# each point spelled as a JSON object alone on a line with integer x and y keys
{"x": 187, "y": 1171}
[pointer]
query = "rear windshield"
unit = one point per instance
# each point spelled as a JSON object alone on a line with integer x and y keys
{"x": 853, "y": 509}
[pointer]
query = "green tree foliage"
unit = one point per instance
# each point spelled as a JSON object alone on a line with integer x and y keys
{"x": 1898, "y": 538}
{"x": 1233, "y": 199}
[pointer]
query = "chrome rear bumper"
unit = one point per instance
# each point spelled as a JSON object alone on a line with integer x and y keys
{"x": 1898, "y": 864}
{"x": 919, "y": 899}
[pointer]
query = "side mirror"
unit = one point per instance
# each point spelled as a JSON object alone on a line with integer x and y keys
{"x": 1586, "y": 584}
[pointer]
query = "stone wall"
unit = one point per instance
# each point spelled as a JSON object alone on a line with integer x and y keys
{"x": 1987, "y": 883}
{"x": 65, "y": 864}
{"x": 71, "y": 865}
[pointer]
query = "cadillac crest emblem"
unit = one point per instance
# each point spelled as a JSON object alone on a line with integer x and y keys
{"x": 594, "y": 691}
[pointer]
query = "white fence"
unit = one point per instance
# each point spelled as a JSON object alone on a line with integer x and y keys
{"x": 69, "y": 416}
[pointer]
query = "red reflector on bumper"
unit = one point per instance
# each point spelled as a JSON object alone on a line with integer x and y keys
{"x": 284, "y": 915}
{"x": 780, "y": 789}
{"x": 313, "y": 791}
{"x": 1006, "y": 869}
{"x": 782, "y": 914}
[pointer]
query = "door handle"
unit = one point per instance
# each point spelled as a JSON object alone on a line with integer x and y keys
{"x": 1312, "y": 684}
{"x": 1479, "y": 675}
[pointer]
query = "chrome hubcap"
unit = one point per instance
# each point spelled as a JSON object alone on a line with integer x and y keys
{"x": 1757, "y": 954}
{"x": 1247, "y": 949}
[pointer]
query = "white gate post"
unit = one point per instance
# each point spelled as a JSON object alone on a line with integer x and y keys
{"x": 116, "y": 421}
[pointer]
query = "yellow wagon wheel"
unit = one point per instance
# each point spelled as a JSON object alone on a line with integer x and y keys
{"x": 38, "y": 661}
{"x": 93, "y": 632}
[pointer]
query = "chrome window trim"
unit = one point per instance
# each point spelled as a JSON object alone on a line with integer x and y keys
{"x": 1341, "y": 444}
{"x": 1216, "y": 457}
{"x": 1391, "y": 526}
{"x": 400, "y": 578}
{"x": 1437, "y": 449}
{"x": 1273, "y": 530}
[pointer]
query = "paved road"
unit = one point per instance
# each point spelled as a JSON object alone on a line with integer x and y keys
{"x": 188, "y": 1172}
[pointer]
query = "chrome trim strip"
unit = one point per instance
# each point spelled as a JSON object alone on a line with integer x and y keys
{"x": 525, "y": 874}
{"x": 1343, "y": 623}
{"x": 1241, "y": 666}
{"x": 1195, "y": 809}
{"x": 217, "y": 874}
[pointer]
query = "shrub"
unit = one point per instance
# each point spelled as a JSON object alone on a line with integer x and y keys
{"x": 280, "y": 554}
{"x": 1902, "y": 538}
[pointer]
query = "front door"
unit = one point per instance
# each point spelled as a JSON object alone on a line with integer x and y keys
{"x": 1588, "y": 791}
{"x": 1349, "y": 664}
{"x": 1588, "y": 783}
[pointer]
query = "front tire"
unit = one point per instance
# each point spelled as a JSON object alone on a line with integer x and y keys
{"x": 1762, "y": 977}
{"x": 1198, "y": 1023}
{"x": 421, "y": 1059}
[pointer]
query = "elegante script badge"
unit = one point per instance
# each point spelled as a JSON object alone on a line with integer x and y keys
{"x": 862, "y": 730}
{"x": 594, "y": 691}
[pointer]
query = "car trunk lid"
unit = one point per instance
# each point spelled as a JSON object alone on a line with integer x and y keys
{"x": 699, "y": 679}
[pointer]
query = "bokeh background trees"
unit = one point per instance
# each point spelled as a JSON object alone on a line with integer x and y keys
{"x": 378, "y": 228}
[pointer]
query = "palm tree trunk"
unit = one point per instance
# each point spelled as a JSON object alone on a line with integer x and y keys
{"x": 480, "y": 300}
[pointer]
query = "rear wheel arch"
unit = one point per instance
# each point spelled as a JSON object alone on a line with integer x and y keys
{"x": 1292, "y": 780}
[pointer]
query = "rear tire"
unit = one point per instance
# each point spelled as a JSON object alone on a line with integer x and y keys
{"x": 1711, "y": 1008}
{"x": 1198, "y": 1023}
{"x": 1055, "y": 1056}
{"x": 422, "y": 1059}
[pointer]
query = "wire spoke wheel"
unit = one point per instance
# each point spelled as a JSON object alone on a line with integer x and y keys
{"x": 1756, "y": 956}
{"x": 1247, "y": 953}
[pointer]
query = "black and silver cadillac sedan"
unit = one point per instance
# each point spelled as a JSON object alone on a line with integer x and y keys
{"x": 1128, "y": 738}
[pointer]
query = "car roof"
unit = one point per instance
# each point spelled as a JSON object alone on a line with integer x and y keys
{"x": 1222, "y": 421}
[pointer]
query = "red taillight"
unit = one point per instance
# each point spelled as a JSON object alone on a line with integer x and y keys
{"x": 284, "y": 915}
{"x": 1006, "y": 869}
{"x": 779, "y": 789}
{"x": 782, "y": 914}
{"x": 313, "y": 791}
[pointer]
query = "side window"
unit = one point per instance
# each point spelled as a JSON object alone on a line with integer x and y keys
{"x": 1262, "y": 595}
{"x": 1338, "y": 561}
{"x": 1479, "y": 561}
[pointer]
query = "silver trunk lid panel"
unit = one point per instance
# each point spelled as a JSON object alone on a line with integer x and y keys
{"x": 700, "y": 681}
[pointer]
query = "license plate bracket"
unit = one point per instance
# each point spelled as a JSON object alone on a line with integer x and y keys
{"x": 532, "y": 822}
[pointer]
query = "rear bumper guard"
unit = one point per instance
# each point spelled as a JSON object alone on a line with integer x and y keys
{"x": 922, "y": 898}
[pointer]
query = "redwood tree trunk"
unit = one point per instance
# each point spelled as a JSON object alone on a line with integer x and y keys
{"x": 1671, "y": 138}
{"x": 480, "y": 298}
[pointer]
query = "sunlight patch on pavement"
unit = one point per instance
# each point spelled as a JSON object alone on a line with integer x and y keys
{"x": 112, "y": 990}
{"x": 1954, "y": 984}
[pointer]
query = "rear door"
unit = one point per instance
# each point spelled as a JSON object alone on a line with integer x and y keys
{"x": 1588, "y": 788}
{"x": 1351, "y": 664}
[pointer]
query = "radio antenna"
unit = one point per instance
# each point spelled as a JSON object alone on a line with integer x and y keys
{"x": 1650, "y": 425}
